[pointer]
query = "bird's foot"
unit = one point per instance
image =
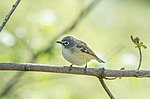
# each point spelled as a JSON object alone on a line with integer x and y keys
{"x": 70, "y": 68}
{"x": 85, "y": 69}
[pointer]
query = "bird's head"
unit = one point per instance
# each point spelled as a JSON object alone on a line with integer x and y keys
{"x": 68, "y": 42}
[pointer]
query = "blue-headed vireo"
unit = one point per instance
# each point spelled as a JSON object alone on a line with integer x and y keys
{"x": 77, "y": 52}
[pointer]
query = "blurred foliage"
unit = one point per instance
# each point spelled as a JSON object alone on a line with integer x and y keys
{"x": 107, "y": 30}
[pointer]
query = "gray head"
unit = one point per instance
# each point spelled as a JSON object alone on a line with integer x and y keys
{"x": 68, "y": 42}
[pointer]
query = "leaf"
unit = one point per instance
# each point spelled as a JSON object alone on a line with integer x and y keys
{"x": 144, "y": 46}
{"x": 123, "y": 68}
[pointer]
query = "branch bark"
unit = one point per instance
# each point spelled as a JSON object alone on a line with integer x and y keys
{"x": 106, "y": 88}
{"x": 75, "y": 70}
{"x": 9, "y": 14}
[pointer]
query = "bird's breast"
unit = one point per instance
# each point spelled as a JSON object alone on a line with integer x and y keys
{"x": 75, "y": 57}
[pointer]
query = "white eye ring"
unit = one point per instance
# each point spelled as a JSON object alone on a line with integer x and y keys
{"x": 66, "y": 43}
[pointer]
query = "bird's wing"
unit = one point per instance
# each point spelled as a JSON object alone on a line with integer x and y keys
{"x": 84, "y": 48}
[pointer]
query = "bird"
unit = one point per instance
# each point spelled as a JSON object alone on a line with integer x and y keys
{"x": 77, "y": 52}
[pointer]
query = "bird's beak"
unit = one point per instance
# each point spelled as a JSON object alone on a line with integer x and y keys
{"x": 59, "y": 42}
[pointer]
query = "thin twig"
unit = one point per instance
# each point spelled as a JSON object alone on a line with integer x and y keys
{"x": 140, "y": 61}
{"x": 139, "y": 45}
{"x": 101, "y": 78}
{"x": 106, "y": 88}
{"x": 9, "y": 14}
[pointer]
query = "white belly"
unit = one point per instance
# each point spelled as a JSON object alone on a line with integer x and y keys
{"x": 75, "y": 58}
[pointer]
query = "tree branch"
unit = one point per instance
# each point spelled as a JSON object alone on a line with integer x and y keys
{"x": 139, "y": 45}
{"x": 140, "y": 61}
{"x": 9, "y": 14}
{"x": 106, "y": 88}
{"x": 75, "y": 70}
{"x": 100, "y": 73}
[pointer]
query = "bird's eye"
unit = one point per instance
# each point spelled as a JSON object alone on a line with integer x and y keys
{"x": 66, "y": 43}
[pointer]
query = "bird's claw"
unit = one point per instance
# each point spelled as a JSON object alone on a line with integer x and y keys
{"x": 70, "y": 68}
{"x": 85, "y": 69}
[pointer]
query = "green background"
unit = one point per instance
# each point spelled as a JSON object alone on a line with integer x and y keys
{"x": 106, "y": 29}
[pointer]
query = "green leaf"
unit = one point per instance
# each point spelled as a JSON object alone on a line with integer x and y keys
{"x": 144, "y": 46}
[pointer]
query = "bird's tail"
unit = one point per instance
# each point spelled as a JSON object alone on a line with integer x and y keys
{"x": 99, "y": 60}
